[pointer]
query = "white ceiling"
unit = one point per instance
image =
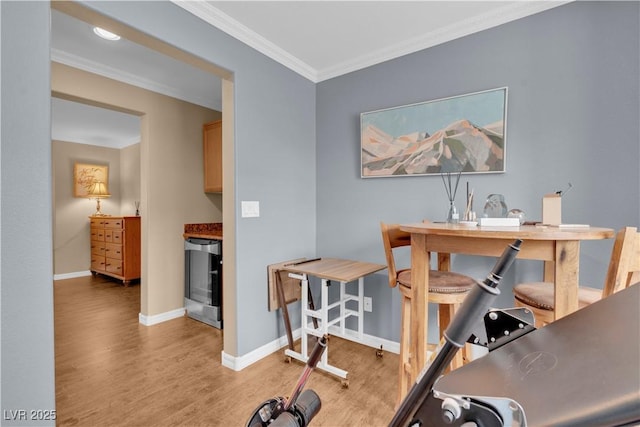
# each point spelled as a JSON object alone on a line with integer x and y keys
{"x": 86, "y": 124}
{"x": 317, "y": 39}
{"x": 325, "y": 39}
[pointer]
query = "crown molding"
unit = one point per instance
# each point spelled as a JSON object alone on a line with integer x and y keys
{"x": 509, "y": 12}
{"x": 101, "y": 69}
{"x": 224, "y": 22}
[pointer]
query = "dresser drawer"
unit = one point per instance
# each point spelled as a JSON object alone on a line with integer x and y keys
{"x": 97, "y": 222}
{"x": 113, "y": 250}
{"x": 97, "y": 248}
{"x": 97, "y": 263}
{"x": 97, "y": 234}
{"x": 110, "y": 235}
{"x": 114, "y": 266}
{"x": 113, "y": 223}
{"x": 116, "y": 236}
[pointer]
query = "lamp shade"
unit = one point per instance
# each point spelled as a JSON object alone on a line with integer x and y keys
{"x": 99, "y": 190}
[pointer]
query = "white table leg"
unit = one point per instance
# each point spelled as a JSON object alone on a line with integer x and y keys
{"x": 342, "y": 307}
{"x": 305, "y": 307}
{"x": 360, "y": 308}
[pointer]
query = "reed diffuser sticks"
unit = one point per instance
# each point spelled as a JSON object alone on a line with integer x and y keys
{"x": 452, "y": 190}
{"x": 449, "y": 186}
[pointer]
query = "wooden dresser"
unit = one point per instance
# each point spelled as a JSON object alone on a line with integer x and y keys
{"x": 115, "y": 246}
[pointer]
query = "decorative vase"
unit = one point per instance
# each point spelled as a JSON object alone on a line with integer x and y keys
{"x": 453, "y": 216}
{"x": 495, "y": 207}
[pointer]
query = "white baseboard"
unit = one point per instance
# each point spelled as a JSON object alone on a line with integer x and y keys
{"x": 71, "y": 275}
{"x": 241, "y": 362}
{"x": 159, "y": 318}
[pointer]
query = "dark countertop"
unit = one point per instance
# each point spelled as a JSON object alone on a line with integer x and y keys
{"x": 211, "y": 230}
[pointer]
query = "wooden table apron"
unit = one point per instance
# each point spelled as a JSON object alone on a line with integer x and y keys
{"x": 559, "y": 248}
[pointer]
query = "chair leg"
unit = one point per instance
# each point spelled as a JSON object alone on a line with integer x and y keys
{"x": 446, "y": 312}
{"x": 466, "y": 353}
{"x": 405, "y": 354}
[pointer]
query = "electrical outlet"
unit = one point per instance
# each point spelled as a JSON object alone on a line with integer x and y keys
{"x": 368, "y": 304}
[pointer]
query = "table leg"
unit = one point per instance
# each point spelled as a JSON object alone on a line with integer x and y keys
{"x": 567, "y": 266}
{"x": 311, "y": 305}
{"x": 343, "y": 307}
{"x": 285, "y": 310}
{"x": 444, "y": 261}
{"x": 549, "y": 272}
{"x": 361, "y": 308}
{"x": 324, "y": 319}
{"x": 419, "y": 305}
{"x": 306, "y": 292}
{"x": 324, "y": 310}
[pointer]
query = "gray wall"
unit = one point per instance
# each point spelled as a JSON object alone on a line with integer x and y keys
{"x": 26, "y": 211}
{"x": 573, "y": 101}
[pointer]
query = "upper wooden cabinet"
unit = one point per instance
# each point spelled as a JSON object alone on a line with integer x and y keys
{"x": 212, "y": 144}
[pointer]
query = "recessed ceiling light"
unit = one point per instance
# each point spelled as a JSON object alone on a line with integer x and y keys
{"x": 107, "y": 35}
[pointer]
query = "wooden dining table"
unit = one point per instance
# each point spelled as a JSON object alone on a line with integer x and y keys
{"x": 558, "y": 247}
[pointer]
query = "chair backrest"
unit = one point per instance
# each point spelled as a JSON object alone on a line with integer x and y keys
{"x": 624, "y": 267}
{"x": 393, "y": 237}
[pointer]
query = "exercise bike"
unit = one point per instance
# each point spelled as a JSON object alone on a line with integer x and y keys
{"x": 301, "y": 406}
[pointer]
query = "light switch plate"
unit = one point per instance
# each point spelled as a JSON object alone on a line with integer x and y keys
{"x": 250, "y": 209}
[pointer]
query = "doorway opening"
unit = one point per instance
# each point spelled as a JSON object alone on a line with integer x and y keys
{"x": 84, "y": 134}
{"x": 159, "y": 209}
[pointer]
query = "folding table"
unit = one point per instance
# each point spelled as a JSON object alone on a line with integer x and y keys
{"x": 338, "y": 270}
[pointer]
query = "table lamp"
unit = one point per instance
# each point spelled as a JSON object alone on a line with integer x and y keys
{"x": 98, "y": 191}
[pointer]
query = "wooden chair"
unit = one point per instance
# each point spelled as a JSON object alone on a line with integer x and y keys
{"x": 624, "y": 270}
{"x": 447, "y": 289}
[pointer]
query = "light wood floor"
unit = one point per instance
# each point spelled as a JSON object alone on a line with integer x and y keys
{"x": 113, "y": 371}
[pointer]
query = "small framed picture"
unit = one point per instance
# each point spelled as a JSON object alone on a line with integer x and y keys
{"x": 85, "y": 175}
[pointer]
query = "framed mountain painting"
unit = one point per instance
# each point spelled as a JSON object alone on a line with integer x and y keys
{"x": 465, "y": 133}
